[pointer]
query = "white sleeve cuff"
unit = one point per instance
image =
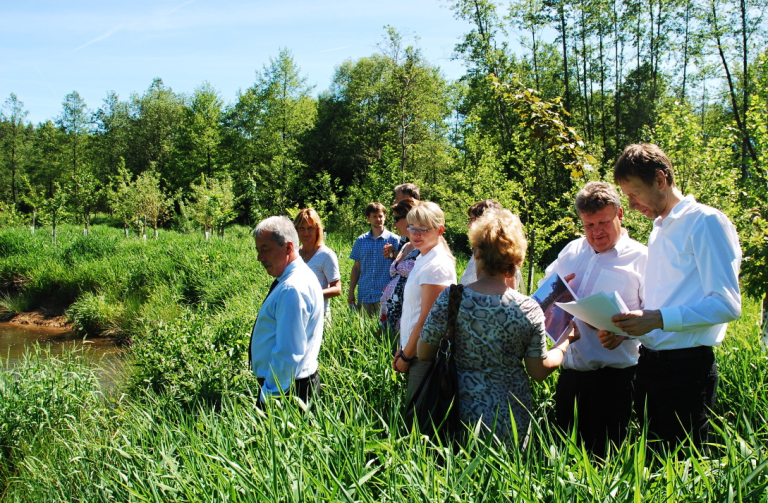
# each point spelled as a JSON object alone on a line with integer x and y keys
{"x": 671, "y": 319}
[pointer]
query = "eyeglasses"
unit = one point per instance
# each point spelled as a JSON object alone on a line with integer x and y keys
{"x": 418, "y": 230}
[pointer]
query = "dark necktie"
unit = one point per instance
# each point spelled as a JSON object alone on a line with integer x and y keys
{"x": 250, "y": 344}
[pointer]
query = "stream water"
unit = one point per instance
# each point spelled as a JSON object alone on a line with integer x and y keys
{"x": 102, "y": 353}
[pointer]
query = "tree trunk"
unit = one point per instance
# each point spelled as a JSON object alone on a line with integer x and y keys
{"x": 531, "y": 262}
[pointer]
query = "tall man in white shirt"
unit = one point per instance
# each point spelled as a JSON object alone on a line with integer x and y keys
{"x": 691, "y": 293}
{"x": 286, "y": 338}
{"x": 596, "y": 380}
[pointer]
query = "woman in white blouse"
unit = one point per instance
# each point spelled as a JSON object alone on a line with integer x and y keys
{"x": 434, "y": 270}
{"x": 321, "y": 259}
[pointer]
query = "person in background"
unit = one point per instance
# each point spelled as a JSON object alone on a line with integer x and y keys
{"x": 599, "y": 381}
{"x": 499, "y": 333}
{"x": 404, "y": 191}
{"x": 474, "y": 212}
{"x": 433, "y": 271}
{"x": 370, "y": 272}
{"x": 392, "y": 298}
{"x": 407, "y": 190}
{"x": 286, "y": 337}
{"x": 321, "y": 259}
{"x": 691, "y": 293}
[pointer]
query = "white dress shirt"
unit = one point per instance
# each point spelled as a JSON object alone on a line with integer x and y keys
{"x": 620, "y": 269}
{"x": 692, "y": 277}
{"x": 436, "y": 267}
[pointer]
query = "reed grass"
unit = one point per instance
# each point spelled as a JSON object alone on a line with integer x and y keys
{"x": 184, "y": 426}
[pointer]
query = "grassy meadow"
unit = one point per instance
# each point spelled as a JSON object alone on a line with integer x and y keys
{"x": 183, "y": 425}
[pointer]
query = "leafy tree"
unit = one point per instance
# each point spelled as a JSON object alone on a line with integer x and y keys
{"x": 155, "y": 119}
{"x": 121, "y": 197}
{"x": 199, "y": 142}
{"x": 33, "y": 198}
{"x": 213, "y": 204}
{"x": 74, "y": 121}
{"x": 151, "y": 203}
{"x": 266, "y": 126}
{"x": 48, "y": 157}
{"x": 55, "y": 206}
{"x": 13, "y": 138}
{"x": 110, "y": 136}
{"x": 84, "y": 197}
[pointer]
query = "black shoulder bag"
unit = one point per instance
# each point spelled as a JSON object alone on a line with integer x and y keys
{"x": 434, "y": 406}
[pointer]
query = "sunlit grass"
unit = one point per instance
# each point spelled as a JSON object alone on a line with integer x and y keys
{"x": 184, "y": 426}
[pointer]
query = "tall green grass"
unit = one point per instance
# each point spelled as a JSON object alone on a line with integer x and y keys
{"x": 185, "y": 425}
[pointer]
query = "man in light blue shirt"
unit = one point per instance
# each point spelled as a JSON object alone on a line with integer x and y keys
{"x": 289, "y": 329}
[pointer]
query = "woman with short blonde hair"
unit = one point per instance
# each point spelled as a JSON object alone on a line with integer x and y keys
{"x": 433, "y": 271}
{"x": 499, "y": 333}
{"x": 321, "y": 259}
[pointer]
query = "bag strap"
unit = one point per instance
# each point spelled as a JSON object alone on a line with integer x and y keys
{"x": 454, "y": 299}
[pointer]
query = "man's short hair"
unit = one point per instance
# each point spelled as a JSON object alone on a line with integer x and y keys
{"x": 374, "y": 208}
{"x": 595, "y": 196}
{"x": 477, "y": 209}
{"x": 282, "y": 230}
{"x": 643, "y": 160}
{"x": 410, "y": 190}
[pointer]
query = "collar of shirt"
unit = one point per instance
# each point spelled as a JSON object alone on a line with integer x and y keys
{"x": 384, "y": 234}
{"x": 622, "y": 243}
{"x": 678, "y": 211}
{"x": 289, "y": 270}
{"x": 431, "y": 253}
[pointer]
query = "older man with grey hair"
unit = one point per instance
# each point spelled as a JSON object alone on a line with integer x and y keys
{"x": 594, "y": 379}
{"x": 287, "y": 334}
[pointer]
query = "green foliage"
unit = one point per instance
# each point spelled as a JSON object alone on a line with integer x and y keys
{"x": 265, "y": 129}
{"x": 352, "y": 445}
{"x": 213, "y": 203}
{"x": 40, "y": 395}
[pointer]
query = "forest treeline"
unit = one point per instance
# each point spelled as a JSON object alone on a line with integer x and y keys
{"x": 525, "y": 128}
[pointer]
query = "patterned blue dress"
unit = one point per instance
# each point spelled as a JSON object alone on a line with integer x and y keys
{"x": 494, "y": 334}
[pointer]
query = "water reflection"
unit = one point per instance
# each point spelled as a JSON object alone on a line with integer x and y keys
{"x": 101, "y": 352}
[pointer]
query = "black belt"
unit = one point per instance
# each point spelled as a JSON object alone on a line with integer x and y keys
{"x": 303, "y": 380}
{"x": 675, "y": 354}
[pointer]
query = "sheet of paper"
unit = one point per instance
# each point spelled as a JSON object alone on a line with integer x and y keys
{"x": 597, "y": 310}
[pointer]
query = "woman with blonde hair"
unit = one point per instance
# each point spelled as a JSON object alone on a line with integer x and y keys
{"x": 321, "y": 259}
{"x": 499, "y": 333}
{"x": 433, "y": 270}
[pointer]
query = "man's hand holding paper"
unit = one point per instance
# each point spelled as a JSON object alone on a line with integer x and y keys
{"x": 638, "y": 322}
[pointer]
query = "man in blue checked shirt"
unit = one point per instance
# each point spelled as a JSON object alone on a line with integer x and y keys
{"x": 289, "y": 329}
{"x": 370, "y": 273}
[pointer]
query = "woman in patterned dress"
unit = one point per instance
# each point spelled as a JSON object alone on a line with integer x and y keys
{"x": 499, "y": 333}
{"x": 392, "y": 296}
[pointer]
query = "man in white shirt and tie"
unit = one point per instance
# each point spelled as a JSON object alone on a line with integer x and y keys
{"x": 594, "y": 380}
{"x": 286, "y": 337}
{"x": 691, "y": 293}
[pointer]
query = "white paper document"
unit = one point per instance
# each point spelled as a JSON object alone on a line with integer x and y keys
{"x": 597, "y": 309}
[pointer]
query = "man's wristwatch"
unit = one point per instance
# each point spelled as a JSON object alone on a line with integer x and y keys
{"x": 402, "y": 356}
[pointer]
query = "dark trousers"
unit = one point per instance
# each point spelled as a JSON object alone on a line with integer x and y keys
{"x": 304, "y": 388}
{"x": 603, "y": 403}
{"x": 675, "y": 390}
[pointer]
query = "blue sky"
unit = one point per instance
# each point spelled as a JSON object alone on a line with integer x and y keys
{"x": 50, "y": 48}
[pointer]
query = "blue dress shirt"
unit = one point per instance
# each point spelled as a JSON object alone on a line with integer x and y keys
{"x": 288, "y": 331}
